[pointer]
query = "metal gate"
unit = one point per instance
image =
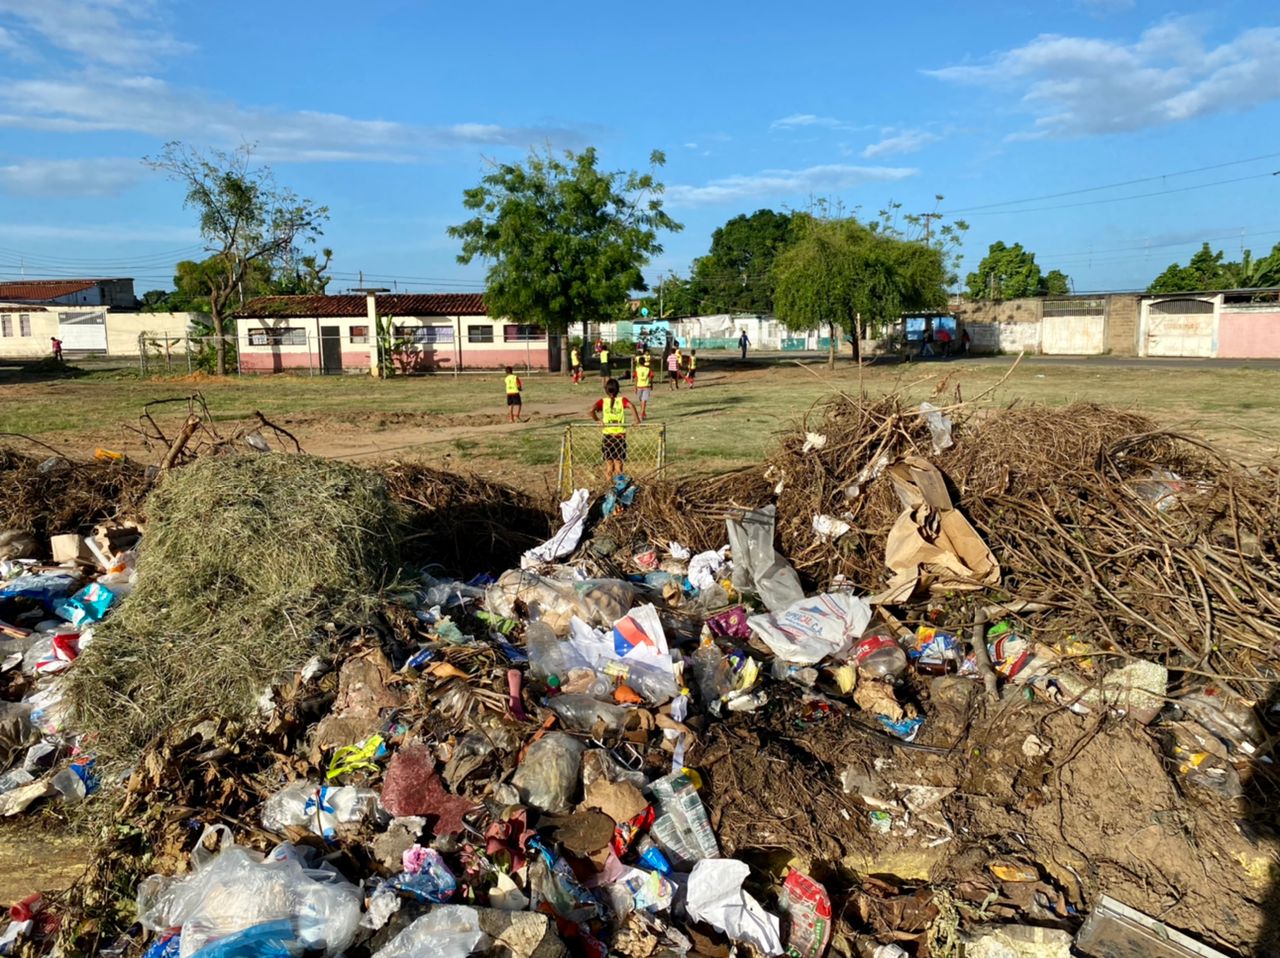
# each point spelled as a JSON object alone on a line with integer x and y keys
{"x": 83, "y": 332}
{"x": 582, "y": 455}
{"x": 1073, "y": 327}
{"x": 1180, "y": 327}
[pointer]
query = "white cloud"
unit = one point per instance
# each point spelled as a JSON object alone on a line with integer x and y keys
{"x": 116, "y": 33}
{"x": 151, "y": 106}
{"x": 900, "y": 141}
{"x": 104, "y": 176}
{"x": 114, "y": 43}
{"x": 798, "y": 121}
{"x": 780, "y": 184}
{"x": 1081, "y": 86}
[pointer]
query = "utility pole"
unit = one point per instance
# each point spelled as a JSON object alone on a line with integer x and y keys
{"x": 928, "y": 225}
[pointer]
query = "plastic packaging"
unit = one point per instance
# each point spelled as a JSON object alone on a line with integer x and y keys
{"x": 1226, "y": 717}
{"x": 88, "y": 605}
{"x": 46, "y": 588}
{"x": 235, "y": 889}
{"x": 549, "y": 655}
{"x": 319, "y": 807}
{"x": 683, "y": 830}
{"x": 271, "y": 939}
{"x": 446, "y": 931}
{"x": 939, "y": 427}
{"x": 556, "y": 601}
{"x": 757, "y": 566}
{"x": 879, "y": 656}
{"x": 813, "y": 629}
{"x": 426, "y": 877}
{"x": 548, "y": 776}
{"x": 584, "y": 712}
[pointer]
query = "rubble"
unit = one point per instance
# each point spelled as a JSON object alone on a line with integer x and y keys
{"x": 357, "y": 716}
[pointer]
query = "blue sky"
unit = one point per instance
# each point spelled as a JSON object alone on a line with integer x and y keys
{"x": 385, "y": 111}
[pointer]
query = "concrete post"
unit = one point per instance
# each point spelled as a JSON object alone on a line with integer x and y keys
{"x": 371, "y": 311}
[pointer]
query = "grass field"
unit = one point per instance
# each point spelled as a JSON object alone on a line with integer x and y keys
{"x": 730, "y": 419}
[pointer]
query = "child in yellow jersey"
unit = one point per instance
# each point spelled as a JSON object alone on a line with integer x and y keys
{"x": 644, "y": 384}
{"x": 612, "y": 412}
{"x": 513, "y": 386}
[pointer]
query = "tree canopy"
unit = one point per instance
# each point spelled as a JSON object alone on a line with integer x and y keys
{"x": 564, "y": 239}
{"x": 1208, "y": 270}
{"x": 1011, "y": 272}
{"x": 247, "y": 221}
{"x": 736, "y": 275}
{"x": 850, "y": 277}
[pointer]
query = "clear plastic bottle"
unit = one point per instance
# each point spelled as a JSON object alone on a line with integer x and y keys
{"x": 879, "y": 656}
{"x": 549, "y": 654}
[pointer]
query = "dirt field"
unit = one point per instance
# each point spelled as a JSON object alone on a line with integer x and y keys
{"x": 729, "y": 420}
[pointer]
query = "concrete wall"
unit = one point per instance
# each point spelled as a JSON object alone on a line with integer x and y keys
{"x": 1122, "y": 324}
{"x": 1008, "y": 326}
{"x": 43, "y": 325}
{"x": 125, "y": 329}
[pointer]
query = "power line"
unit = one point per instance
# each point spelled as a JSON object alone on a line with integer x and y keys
{"x": 1111, "y": 186}
{"x": 1135, "y": 196}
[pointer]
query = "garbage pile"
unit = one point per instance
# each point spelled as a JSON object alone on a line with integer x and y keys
{"x": 901, "y": 691}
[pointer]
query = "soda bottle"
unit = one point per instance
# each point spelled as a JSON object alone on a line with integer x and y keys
{"x": 879, "y": 656}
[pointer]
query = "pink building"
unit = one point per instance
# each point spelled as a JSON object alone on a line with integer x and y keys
{"x": 433, "y": 332}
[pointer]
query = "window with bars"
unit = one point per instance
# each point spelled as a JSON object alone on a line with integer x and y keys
{"x": 359, "y": 334}
{"x": 284, "y": 336}
{"x": 24, "y": 324}
{"x": 1075, "y": 307}
{"x": 6, "y": 324}
{"x": 425, "y": 335}
{"x": 479, "y": 334}
{"x": 1182, "y": 307}
{"x": 521, "y": 333}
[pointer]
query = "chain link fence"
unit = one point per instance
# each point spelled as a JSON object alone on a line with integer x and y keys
{"x": 582, "y": 454}
{"x": 166, "y": 355}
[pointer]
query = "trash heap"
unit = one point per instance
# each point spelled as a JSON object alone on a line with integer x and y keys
{"x": 919, "y": 685}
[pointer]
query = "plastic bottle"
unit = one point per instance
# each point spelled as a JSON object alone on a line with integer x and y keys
{"x": 583, "y": 712}
{"x": 70, "y": 785}
{"x": 15, "y": 779}
{"x": 548, "y": 654}
{"x": 879, "y": 656}
{"x": 683, "y": 830}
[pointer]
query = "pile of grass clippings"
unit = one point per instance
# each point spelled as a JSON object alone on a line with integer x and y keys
{"x": 50, "y": 495}
{"x": 245, "y": 562}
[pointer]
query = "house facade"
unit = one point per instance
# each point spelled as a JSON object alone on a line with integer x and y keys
{"x": 431, "y": 332}
{"x": 28, "y": 329}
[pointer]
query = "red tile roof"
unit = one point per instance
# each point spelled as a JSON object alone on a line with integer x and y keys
{"x": 389, "y": 304}
{"x": 40, "y": 290}
{"x": 21, "y": 308}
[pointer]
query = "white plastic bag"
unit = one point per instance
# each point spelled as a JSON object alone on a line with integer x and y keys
{"x": 715, "y": 895}
{"x": 548, "y": 776}
{"x": 446, "y": 931}
{"x": 574, "y": 512}
{"x": 319, "y": 807}
{"x": 236, "y": 888}
{"x": 813, "y": 629}
{"x": 757, "y": 566}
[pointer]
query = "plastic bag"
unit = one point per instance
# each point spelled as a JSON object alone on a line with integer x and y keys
{"x": 705, "y": 568}
{"x": 556, "y": 601}
{"x": 446, "y": 931}
{"x": 320, "y": 807}
{"x": 271, "y": 939}
{"x": 43, "y": 587}
{"x": 88, "y": 605}
{"x": 236, "y": 888}
{"x": 813, "y": 629}
{"x": 574, "y": 512}
{"x": 548, "y": 776}
{"x": 757, "y": 566}
{"x": 939, "y": 427}
{"x": 634, "y": 652}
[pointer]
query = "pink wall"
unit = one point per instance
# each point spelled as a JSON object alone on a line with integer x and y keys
{"x": 442, "y": 357}
{"x": 1250, "y": 335}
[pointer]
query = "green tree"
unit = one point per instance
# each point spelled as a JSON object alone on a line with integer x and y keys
{"x": 1056, "y": 283}
{"x": 303, "y": 275}
{"x": 851, "y": 278}
{"x": 1006, "y": 272}
{"x": 245, "y": 218}
{"x": 1205, "y": 270}
{"x": 564, "y": 239}
{"x": 736, "y": 274}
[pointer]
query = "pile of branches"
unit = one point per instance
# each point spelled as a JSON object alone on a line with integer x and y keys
{"x": 50, "y": 495}
{"x": 1146, "y": 541}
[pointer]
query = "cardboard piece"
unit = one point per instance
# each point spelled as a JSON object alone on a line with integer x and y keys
{"x": 69, "y": 547}
{"x": 932, "y": 545}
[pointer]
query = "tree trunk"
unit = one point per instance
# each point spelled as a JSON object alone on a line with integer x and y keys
{"x": 831, "y": 346}
{"x": 856, "y": 345}
{"x": 220, "y": 346}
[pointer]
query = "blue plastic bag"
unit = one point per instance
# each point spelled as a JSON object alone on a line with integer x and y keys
{"x": 271, "y": 939}
{"x": 47, "y": 588}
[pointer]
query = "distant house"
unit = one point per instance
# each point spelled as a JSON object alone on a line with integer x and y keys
{"x": 114, "y": 293}
{"x": 431, "y": 332}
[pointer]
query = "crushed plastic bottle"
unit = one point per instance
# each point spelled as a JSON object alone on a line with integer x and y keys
{"x": 879, "y": 656}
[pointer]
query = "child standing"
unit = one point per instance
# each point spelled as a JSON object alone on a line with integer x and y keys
{"x": 673, "y": 368}
{"x": 575, "y": 364}
{"x": 612, "y": 412}
{"x": 693, "y": 366}
{"x": 514, "y": 386}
